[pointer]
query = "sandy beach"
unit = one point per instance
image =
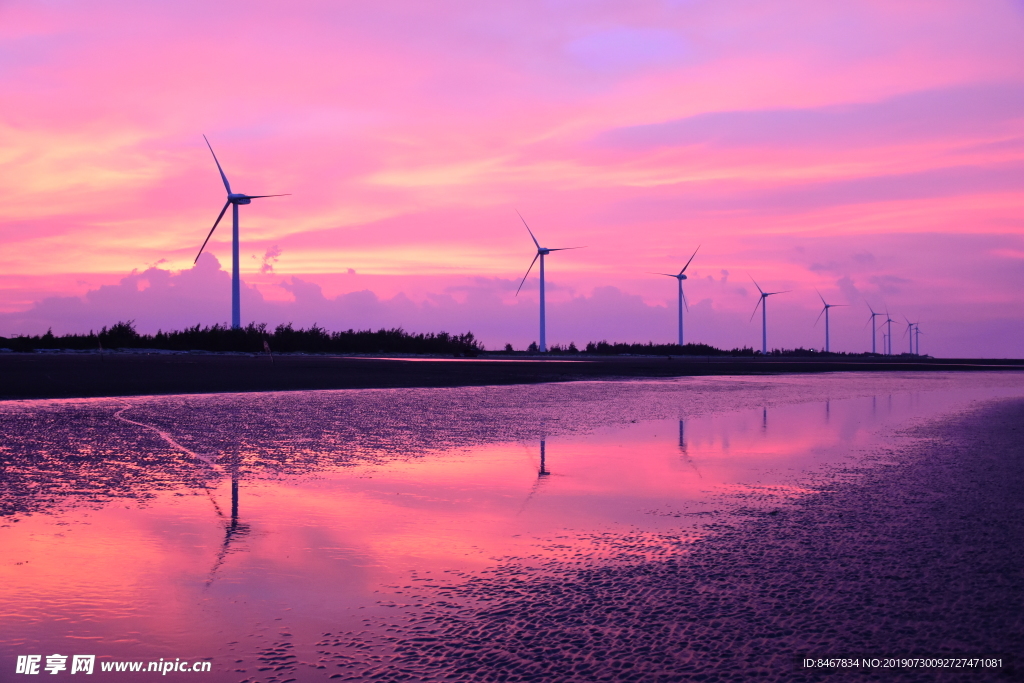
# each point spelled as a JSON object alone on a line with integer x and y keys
{"x": 914, "y": 553}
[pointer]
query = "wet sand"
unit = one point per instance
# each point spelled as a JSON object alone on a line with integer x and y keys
{"x": 918, "y": 552}
{"x": 75, "y": 375}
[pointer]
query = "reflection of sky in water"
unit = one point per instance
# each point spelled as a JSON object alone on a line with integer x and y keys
{"x": 127, "y": 542}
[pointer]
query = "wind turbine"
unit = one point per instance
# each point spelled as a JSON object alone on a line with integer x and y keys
{"x": 910, "y": 333}
{"x": 917, "y": 333}
{"x": 888, "y": 321}
{"x": 235, "y": 199}
{"x": 682, "y": 297}
{"x": 764, "y": 316}
{"x": 541, "y": 253}
{"x": 825, "y": 311}
{"x": 874, "y": 330}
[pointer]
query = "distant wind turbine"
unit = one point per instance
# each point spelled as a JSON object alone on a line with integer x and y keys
{"x": 234, "y": 201}
{"x": 541, "y": 253}
{"x": 917, "y": 333}
{"x": 825, "y": 311}
{"x": 762, "y": 302}
{"x": 874, "y": 330}
{"x": 888, "y": 321}
{"x": 910, "y": 333}
{"x": 682, "y": 297}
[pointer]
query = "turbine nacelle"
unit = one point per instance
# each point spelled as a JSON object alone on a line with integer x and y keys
{"x": 239, "y": 199}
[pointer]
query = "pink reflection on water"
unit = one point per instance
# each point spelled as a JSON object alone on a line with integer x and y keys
{"x": 279, "y": 555}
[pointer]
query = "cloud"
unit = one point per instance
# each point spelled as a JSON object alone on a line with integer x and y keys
{"x": 719, "y": 311}
{"x": 270, "y": 257}
{"x": 969, "y": 112}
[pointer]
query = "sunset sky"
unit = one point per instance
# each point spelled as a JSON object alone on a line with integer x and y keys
{"x": 873, "y": 150}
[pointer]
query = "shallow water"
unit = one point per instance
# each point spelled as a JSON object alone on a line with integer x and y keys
{"x": 245, "y": 527}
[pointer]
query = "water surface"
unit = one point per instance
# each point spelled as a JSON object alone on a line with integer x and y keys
{"x": 245, "y": 527}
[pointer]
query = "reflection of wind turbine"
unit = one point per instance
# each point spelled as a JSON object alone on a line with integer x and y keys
{"x": 683, "y": 450}
{"x": 234, "y": 201}
{"x": 541, "y": 473}
{"x": 541, "y": 253}
{"x": 825, "y": 311}
{"x": 764, "y": 316}
{"x": 234, "y": 529}
{"x": 682, "y": 297}
{"x": 874, "y": 330}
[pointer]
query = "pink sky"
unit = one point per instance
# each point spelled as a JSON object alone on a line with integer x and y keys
{"x": 871, "y": 150}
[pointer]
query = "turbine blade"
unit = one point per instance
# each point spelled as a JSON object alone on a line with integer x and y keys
{"x": 227, "y": 185}
{"x": 761, "y": 299}
{"x": 528, "y": 229}
{"x": 567, "y": 248}
{"x": 685, "y": 304}
{"x": 688, "y": 262}
{"x": 665, "y": 274}
{"x": 821, "y": 297}
{"x": 215, "y": 224}
{"x": 537, "y": 256}
{"x": 755, "y": 283}
{"x": 819, "y": 316}
{"x": 262, "y": 196}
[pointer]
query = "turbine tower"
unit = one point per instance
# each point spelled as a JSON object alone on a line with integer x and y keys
{"x": 762, "y": 302}
{"x": 234, "y": 201}
{"x": 682, "y": 297}
{"x": 541, "y": 253}
{"x": 874, "y": 330}
{"x": 825, "y": 311}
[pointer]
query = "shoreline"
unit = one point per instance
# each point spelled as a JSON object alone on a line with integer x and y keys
{"x": 918, "y": 556}
{"x": 93, "y": 375}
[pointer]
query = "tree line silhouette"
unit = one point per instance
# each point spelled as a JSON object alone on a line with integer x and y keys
{"x": 254, "y": 338}
{"x": 258, "y": 338}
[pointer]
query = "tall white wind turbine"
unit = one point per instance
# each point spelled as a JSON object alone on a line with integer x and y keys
{"x": 682, "y": 297}
{"x": 763, "y": 303}
{"x": 825, "y": 312}
{"x": 874, "y": 330}
{"x": 541, "y": 253}
{"x": 235, "y": 200}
